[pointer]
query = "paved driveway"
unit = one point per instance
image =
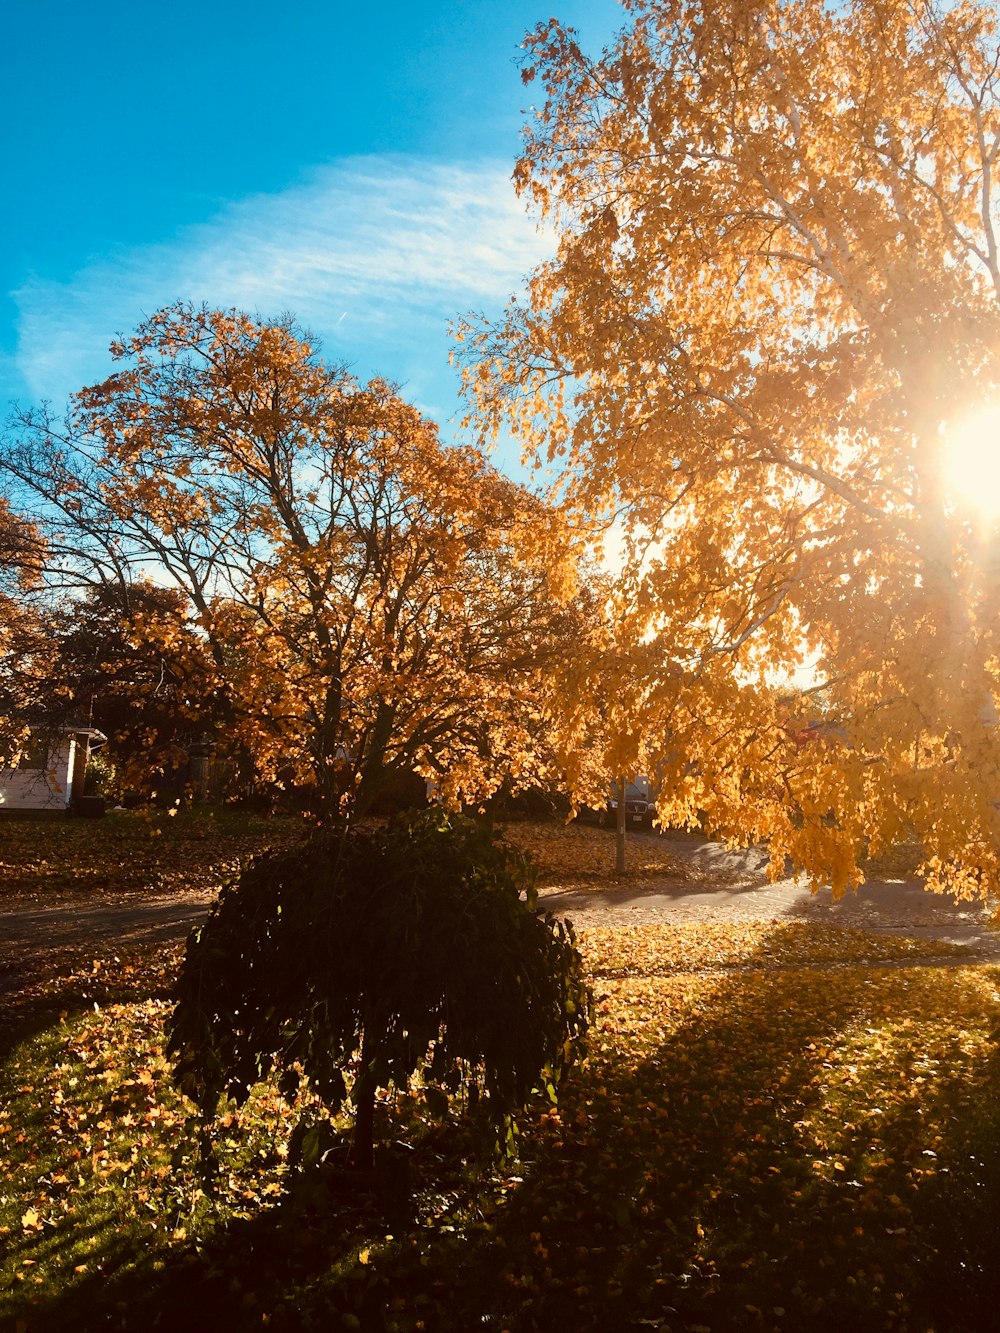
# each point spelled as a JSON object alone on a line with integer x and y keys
{"x": 717, "y": 884}
{"x": 36, "y": 939}
{"x": 733, "y": 885}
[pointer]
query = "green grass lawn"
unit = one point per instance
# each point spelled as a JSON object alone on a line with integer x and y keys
{"x": 778, "y": 1127}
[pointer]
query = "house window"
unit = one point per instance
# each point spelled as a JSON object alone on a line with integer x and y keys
{"x": 38, "y": 754}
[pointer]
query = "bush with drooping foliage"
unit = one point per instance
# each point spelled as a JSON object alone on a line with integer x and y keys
{"x": 345, "y": 964}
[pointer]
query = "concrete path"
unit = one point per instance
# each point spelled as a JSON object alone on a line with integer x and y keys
{"x": 717, "y": 885}
{"x": 732, "y": 885}
{"x": 34, "y": 939}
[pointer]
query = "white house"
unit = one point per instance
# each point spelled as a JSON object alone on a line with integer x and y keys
{"x": 50, "y": 774}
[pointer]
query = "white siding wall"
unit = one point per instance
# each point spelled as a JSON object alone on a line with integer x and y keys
{"x": 40, "y": 789}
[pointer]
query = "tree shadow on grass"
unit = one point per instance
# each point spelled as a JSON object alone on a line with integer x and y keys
{"x": 765, "y": 1149}
{"x": 960, "y": 1210}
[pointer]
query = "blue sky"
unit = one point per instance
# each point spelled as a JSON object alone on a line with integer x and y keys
{"x": 348, "y": 163}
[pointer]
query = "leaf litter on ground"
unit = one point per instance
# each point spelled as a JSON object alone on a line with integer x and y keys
{"x": 777, "y": 1126}
{"x": 715, "y": 1106}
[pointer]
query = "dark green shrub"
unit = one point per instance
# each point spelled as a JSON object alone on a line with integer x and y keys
{"x": 417, "y": 945}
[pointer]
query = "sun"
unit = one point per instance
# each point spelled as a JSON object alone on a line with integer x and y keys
{"x": 972, "y": 464}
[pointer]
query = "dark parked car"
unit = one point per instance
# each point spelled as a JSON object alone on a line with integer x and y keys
{"x": 639, "y": 809}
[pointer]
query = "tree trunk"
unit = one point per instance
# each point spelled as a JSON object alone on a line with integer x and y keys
{"x": 363, "y": 1096}
{"x": 620, "y": 829}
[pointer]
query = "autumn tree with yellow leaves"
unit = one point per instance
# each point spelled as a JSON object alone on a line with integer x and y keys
{"x": 371, "y": 602}
{"x": 773, "y": 311}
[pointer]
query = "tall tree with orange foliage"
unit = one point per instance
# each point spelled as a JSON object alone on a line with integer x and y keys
{"x": 373, "y": 602}
{"x": 774, "y": 306}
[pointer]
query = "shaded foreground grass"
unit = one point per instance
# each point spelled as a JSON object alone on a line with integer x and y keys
{"x": 772, "y": 1131}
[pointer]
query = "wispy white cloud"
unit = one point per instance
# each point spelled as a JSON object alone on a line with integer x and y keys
{"x": 374, "y": 255}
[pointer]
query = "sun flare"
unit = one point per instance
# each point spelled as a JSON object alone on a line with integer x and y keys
{"x": 972, "y": 463}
